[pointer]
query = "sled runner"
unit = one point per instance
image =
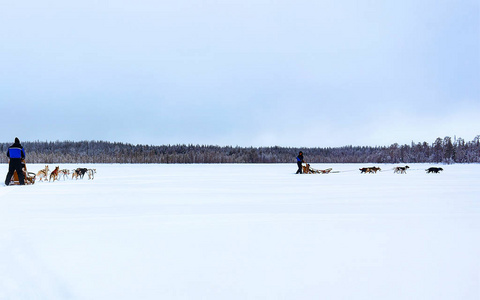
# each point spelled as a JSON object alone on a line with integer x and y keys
{"x": 29, "y": 177}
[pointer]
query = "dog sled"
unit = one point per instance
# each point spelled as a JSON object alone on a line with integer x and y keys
{"x": 29, "y": 177}
{"x": 309, "y": 170}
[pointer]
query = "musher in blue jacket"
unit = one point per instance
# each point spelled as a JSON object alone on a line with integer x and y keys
{"x": 299, "y": 162}
{"x": 16, "y": 153}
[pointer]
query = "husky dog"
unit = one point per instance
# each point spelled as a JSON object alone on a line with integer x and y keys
{"x": 79, "y": 172}
{"x": 64, "y": 173}
{"x": 401, "y": 170}
{"x": 42, "y": 174}
{"x": 369, "y": 170}
{"x": 306, "y": 168}
{"x": 91, "y": 173}
{"x": 434, "y": 170}
{"x": 54, "y": 174}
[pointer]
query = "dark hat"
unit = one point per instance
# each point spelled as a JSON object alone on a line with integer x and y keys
{"x": 17, "y": 141}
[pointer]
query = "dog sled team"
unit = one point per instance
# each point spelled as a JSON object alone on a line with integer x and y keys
{"x": 58, "y": 174}
{"x": 305, "y": 168}
{"x": 18, "y": 174}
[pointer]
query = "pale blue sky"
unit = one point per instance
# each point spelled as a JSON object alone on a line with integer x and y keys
{"x": 247, "y": 73}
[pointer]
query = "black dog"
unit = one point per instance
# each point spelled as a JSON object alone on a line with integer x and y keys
{"x": 434, "y": 170}
{"x": 401, "y": 170}
{"x": 81, "y": 172}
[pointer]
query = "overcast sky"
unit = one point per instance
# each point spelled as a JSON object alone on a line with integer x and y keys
{"x": 248, "y": 73}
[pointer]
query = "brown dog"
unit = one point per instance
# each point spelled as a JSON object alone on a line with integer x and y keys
{"x": 54, "y": 174}
{"x": 42, "y": 174}
{"x": 369, "y": 170}
{"x": 306, "y": 168}
{"x": 363, "y": 170}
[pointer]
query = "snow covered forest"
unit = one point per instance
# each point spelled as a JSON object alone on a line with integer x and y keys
{"x": 441, "y": 150}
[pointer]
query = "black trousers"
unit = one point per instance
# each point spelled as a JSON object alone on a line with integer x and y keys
{"x": 299, "y": 164}
{"x": 15, "y": 165}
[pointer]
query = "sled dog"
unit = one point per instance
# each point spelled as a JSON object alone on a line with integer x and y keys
{"x": 91, "y": 173}
{"x": 54, "y": 174}
{"x": 369, "y": 170}
{"x": 79, "y": 172}
{"x": 434, "y": 170}
{"x": 401, "y": 170}
{"x": 306, "y": 168}
{"x": 42, "y": 174}
{"x": 64, "y": 173}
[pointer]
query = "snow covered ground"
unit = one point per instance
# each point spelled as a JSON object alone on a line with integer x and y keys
{"x": 243, "y": 232}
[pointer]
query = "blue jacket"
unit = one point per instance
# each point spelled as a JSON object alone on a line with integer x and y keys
{"x": 300, "y": 158}
{"x": 16, "y": 151}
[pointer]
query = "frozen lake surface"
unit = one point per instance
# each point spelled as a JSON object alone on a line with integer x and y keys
{"x": 243, "y": 232}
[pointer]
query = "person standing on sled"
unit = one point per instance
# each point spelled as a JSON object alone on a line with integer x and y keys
{"x": 299, "y": 162}
{"x": 15, "y": 153}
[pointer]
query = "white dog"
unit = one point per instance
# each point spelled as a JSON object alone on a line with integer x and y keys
{"x": 91, "y": 173}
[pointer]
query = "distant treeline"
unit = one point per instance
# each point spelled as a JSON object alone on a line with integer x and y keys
{"x": 441, "y": 150}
